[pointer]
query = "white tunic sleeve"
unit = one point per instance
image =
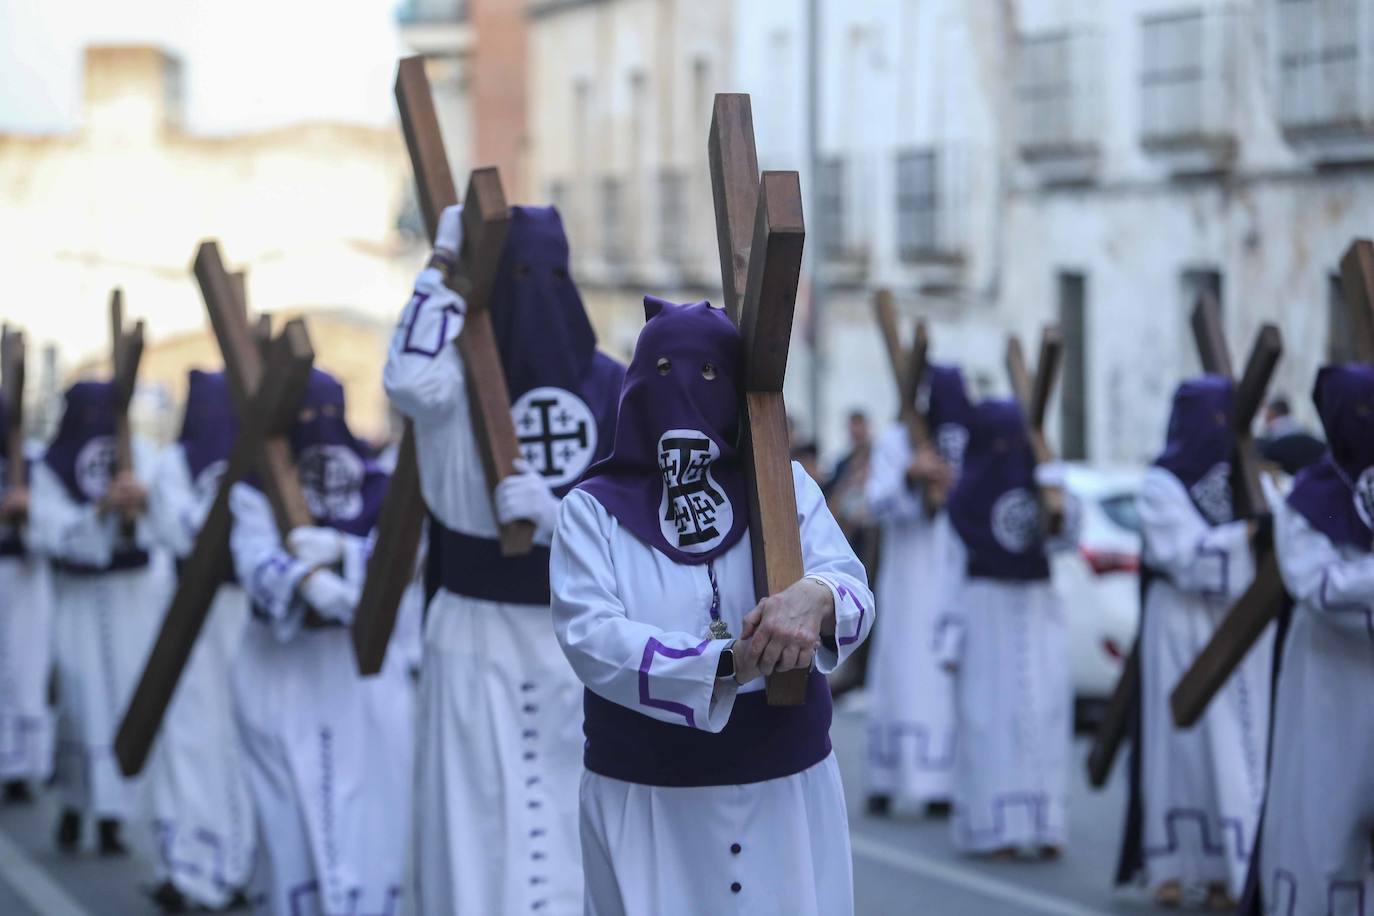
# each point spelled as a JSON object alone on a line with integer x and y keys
{"x": 828, "y": 559}
{"x": 1339, "y": 587}
{"x": 1212, "y": 561}
{"x": 889, "y": 497}
{"x": 423, "y": 374}
{"x": 174, "y": 510}
{"x": 266, "y": 570}
{"x": 614, "y": 655}
{"x": 65, "y": 529}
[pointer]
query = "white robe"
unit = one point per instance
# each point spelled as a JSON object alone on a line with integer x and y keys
{"x": 1008, "y": 641}
{"x": 329, "y": 754}
{"x": 774, "y": 847}
{"x": 103, "y": 626}
{"x": 911, "y": 724}
{"x": 1315, "y": 846}
{"x": 499, "y": 748}
{"x": 26, "y": 722}
{"x": 202, "y": 814}
{"x": 1202, "y": 787}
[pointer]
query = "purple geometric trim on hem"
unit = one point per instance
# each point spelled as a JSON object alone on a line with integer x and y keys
{"x": 654, "y": 647}
{"x": 1351, "y": 889}
{"x": 1173, "y": 816}
{"x": 846, "y": 593}
{"x": 167, "y": 831}
{"x": 22, "y": 749}
{"x": 300, "y": 894}
{"x": 884, "y": 741}
{"x": 408, "y": 347}
{"x": 1037, "y": 802}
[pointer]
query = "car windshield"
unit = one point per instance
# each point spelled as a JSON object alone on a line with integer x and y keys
{"x": 1121, "y": 509}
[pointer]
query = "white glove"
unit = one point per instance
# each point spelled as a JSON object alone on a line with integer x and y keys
{"x": 525, "y": 495}
{"x": 1053, "y": 474}
{"x": 330, "y": 595}
{"x": 449, "y": 235}
{"x": 316, "y": 546}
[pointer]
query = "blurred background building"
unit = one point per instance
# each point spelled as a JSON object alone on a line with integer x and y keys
{"x": 998, "y": 164}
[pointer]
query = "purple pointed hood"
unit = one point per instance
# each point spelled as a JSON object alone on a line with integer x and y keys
{"x": 675, "y": 478}
{"x": 994, "y": 507}
{"x": 82, "y": 454}
{"x": 1200, "y": 445}
{"x": 949, "y": 411}
{"x": 343, "y": 485}
{"x": 563, "y": 391}
{"x": 209, "y": 427}
{"x": 1336, "y": 495}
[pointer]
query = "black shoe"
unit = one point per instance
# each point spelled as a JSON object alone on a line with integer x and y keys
{"x": 239, "y": 901}
{"x": 69, "y": 832}
{"x": 111, "y": 843}
{"x": 879, "y": 805}
{"x": 18, "y": 793}
{"x": 938, "y": 810}
{"x": 168, "y": 898}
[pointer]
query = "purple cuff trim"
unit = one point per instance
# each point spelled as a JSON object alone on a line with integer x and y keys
{"x": 858, "y": 631}
{"x": 654, "y": 647}
{"x": 1224, "y": 558}
{"x": 407, "y": 346}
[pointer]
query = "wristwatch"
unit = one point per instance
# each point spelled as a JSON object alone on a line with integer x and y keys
{"x": 726, "y": 666}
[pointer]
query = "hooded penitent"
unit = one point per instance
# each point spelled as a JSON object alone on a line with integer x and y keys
{"x": 1200, "y": 444}
{"x": 562, "y": 390}
{"x": 994, "y": 507}
{"x": 948, "y": 410}
{"x": 1336, "y": 495}
{"x": 11, "y": 544}
{"x": 674, "y": 478}
{"x": 82, "y": 454}
{"x": 209, "y": 426}
{"x": 343, "y": 486}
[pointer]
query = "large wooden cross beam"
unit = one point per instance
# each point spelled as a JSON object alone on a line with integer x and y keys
{"x": 1264, "y": 600}
{"x": 1033, "y": 393}
{"x": 1357, "y": 285}
{"x": 12, "y": 385}
{"x": 760, "y": 233}
{"x": 1235, "y": 636}
{"x": 908, "y": 370}
{"x": 126, "y": 351}
{"x": 486, "y": 221}
{"x": 266, "y": 393}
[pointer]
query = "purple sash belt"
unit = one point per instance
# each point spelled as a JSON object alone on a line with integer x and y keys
{"x": 473, "y": 567}
{"x": 123, "y": 559}
{"x": 760, "y": 742}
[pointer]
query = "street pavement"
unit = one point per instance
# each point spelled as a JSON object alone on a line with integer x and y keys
{"x": 902, "y": 864}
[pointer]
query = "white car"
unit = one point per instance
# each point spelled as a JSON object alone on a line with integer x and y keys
{"x": 1099, "y": 582}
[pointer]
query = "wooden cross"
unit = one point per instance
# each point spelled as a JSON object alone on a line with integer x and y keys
{"x": 1034, "y": 397}
{"x": 12, "y": 384}
{"x": 1264, "y": 600}
{"x": 760, "y": 233}
{"x": 1220, "y": 657}
{"x": 126, "y": 351}
{"x": 908, "y": 370}
{"x": 486, "y": 221}
{"x": 1357, "y": 285}
{"x": 266, "y": 393}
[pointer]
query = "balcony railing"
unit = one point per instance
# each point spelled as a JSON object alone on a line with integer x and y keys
{"x": 431, "y": 12}
{"x": 1190, "y": 68}
{"x": 1325, "y": 68}
{"x": 1056, "y": 100}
